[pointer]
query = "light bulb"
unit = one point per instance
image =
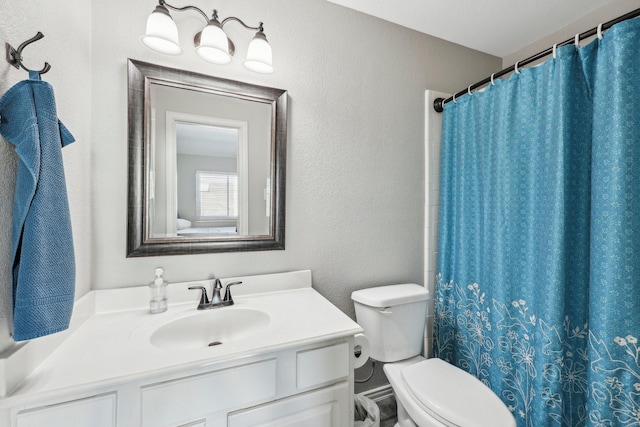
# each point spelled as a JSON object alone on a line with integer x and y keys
{"x": 162, "y": 32}
{"x": 214, "y": 44}
{"x": 259, "y": 55}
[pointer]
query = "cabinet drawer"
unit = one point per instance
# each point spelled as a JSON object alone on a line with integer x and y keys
{"x": 322, "y": 365}
{"x": 97, "y": 411}
{"x": 192, "y": 398}
{"x": 327, "y": 407}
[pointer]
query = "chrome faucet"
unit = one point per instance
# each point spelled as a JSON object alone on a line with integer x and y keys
{"x": 216, "y": 301}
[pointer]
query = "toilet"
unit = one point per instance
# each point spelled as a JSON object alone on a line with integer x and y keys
{"x": 429, "y": 392}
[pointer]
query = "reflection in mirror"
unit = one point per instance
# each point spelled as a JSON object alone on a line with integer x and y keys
{"x": 206, "y": 162}
{"x": 202, "y": 136}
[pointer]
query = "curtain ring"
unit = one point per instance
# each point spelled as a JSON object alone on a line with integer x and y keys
{"x": 577, "y": 41}
{"x": 454, "y": 99}
{"x": 516, "y": 68}
{"x": 469, "y": 90}
{"x": 600, "y": 31}
{"x": 555, "y": 47}
{"x": 492, "y": 82}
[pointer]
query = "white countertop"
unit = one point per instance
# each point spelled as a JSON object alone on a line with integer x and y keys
{"x": 113, "y": 346}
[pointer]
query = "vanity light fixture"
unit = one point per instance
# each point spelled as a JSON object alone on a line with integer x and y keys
{"x": 212, "y": 43}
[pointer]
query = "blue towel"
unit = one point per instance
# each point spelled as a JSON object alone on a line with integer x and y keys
{"x": 43, "y": 257}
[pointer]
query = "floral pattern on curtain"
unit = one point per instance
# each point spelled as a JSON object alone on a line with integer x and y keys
{"x": 538, "y": 284}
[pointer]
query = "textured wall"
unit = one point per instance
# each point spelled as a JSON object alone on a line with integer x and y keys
{"x": 355, "y": 173}
{"x": 67, "y": 47}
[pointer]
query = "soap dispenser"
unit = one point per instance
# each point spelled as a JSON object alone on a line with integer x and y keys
{"x": 158, "y": 301}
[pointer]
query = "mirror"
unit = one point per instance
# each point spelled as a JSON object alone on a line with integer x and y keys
{"x": 206, "y": 163}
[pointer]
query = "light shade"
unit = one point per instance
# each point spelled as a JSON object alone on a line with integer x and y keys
{"x": 214, "y": 44}
{"x": 259, "y": 55}
{"x": 162, "y": 33}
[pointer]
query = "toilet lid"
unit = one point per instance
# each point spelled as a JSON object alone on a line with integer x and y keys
{"x": 455, "y": 397}
{"x": 390, "y": 295}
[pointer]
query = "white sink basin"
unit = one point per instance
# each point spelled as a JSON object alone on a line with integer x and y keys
{"x": 210, "y": 328}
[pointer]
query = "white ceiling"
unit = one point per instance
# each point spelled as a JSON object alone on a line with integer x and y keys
{"x": 206, "y": 140}
{"x": 496, "y": 27}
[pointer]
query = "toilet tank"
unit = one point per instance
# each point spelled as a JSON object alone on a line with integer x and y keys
{"x": 393, "y": 318}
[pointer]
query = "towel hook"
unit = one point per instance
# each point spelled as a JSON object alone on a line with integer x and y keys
{"x": 14, "y": 56}
{"x": 600, "y": 31}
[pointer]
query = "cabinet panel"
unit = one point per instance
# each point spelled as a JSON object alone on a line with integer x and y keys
{"x": 98, "y": 411}
{"x": 188, "y": 399}
{"x": 322, "y": 365}
{"x": 326, "y": 407}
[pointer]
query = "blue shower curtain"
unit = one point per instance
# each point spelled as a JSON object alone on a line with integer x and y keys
{"x": 538, "y": 282}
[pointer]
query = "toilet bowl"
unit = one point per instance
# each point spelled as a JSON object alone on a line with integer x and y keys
{"x": 429, "y": 392}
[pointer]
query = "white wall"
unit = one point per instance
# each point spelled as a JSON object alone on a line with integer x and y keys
{"x": 355, "y": 171}
{"x": 432, "y": 136}
{"x": 355, "y": 158}
{"x": 67, "y": 47}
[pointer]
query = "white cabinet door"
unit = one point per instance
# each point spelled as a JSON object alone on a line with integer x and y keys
{"x": 181, "y": 401}
{"x": 98, "y": 411}
{"x": 326, "y": 407}
{"x": 323, "y": 365}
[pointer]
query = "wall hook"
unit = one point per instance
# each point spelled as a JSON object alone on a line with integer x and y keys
{"x": 14, "y": 56}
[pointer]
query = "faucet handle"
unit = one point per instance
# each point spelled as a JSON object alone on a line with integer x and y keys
{"x": 204, "y": 300}
{"x": 228, "y": 299}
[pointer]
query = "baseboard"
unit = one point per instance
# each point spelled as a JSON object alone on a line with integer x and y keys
{"x": 379, "y": 393}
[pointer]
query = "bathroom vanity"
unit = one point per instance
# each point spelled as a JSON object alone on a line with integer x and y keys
{"x": 281, "y": 356}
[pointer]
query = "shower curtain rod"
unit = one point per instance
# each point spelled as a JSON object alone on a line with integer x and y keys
{"x": 438, "y": 104}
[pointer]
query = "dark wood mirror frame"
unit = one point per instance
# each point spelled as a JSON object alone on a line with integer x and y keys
{"x": 139, "y": 243}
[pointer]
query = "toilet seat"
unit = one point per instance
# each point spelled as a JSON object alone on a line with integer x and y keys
{"x": 453, "y": 396}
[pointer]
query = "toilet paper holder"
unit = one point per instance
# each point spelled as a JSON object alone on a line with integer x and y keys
{"x": 361, "y": 355}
